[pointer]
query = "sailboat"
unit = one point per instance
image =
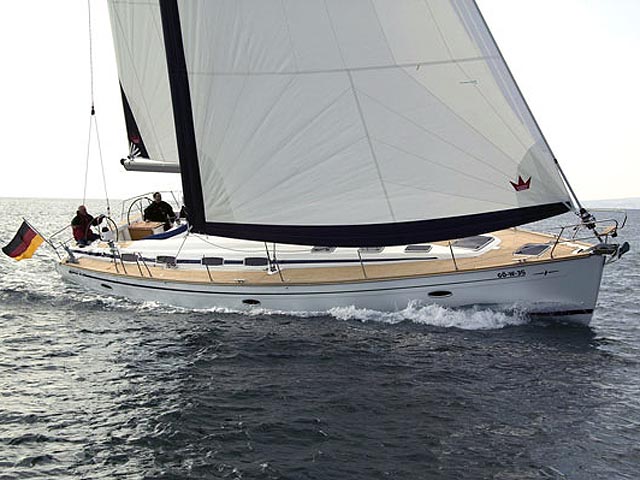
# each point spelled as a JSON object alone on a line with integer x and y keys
{"x": 334, "y": 153}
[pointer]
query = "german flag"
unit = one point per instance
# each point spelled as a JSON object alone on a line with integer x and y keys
{"x": 24, "y": 244}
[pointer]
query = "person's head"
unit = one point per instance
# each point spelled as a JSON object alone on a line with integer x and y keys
{"x": 157, "y": 197}
{"x": 82, "y": 210}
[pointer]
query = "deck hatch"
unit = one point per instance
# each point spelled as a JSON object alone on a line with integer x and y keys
{"x": 323, "y": 249}
{"x": 166, "y": 259}
{"x": 256, "y": 262}
{"x": 129, "y": 257}
{"x": 532, "y": 249}
{"x": 212, "y": 261}
{"x": 418, "y": 249}
{"x": 371, "y": 250}
{"x": 477, "y": 242}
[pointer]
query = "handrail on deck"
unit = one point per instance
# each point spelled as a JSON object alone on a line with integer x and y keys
{"x": 611, "y": 232}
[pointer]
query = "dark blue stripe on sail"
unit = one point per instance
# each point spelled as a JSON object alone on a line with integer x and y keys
{"x": 133, "y": 132}
{"x": 382, "y": 235}
{"x": 182, "y": 113}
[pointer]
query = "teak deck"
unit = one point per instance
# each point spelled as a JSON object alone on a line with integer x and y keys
{"x": 502, "y": 256}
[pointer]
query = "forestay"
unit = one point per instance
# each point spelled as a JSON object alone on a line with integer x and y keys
{"x": 337, "y": 122}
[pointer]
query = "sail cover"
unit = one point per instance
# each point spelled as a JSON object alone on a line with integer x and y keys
{"x": 336, "y": 122}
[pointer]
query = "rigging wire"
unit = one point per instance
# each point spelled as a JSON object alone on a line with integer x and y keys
{"x": 93, "y": 124}
{"x": 104, "y": 177}
{"x": 91, "y": 55}
{"x": 86, "y": 167}
{"x": 182, "y": 244}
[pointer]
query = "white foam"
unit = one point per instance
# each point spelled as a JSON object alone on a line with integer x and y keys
{"x": 468, "y": 319}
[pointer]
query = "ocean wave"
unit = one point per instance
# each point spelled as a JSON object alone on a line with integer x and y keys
{"x": 475, "y": 318}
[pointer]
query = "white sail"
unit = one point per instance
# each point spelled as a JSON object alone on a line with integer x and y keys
{"x": 144, "y": 82}
{"x": 343, "y": 122}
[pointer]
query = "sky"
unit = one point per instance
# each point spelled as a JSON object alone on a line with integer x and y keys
{"x": 576, "y": 62}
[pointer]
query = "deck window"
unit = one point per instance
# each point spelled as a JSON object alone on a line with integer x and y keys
{"x": 166, "y": 259}
{"x": 418, "y": 249}
{"x": 323, "y": 249}
{"x": 212, "y": 261}
{"x": 476, "y": 242}
{"x": 532, "y": 249}
{"x": 371, "y": 250}
{"x": 256, "y": 262}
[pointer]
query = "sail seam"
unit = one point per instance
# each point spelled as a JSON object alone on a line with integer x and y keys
{"x": 285, "y": 183}
{"x": 262, "y": 120}
{"x": 458, "y": 116}
{"x": 473, "y": 27}
{"x": 477, "y": 87}
{"x": 435, "y": 135}
{"x": 384, "y": 34}
{"x": 231, "y": 118}
{"x": 347, "y": 69}
{"x": 288, "y": 28}
{"x": 449, "y": 194}
{"x": 433, "y": 162}
{"x": 286, "y": 142}
{"x": 370, "y": 142}
{"x": 358, "y": 106}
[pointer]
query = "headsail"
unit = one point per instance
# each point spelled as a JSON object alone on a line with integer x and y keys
{"x": 338, "y": 122}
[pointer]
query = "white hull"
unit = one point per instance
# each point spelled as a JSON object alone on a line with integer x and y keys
{"x": 566, "y": 289}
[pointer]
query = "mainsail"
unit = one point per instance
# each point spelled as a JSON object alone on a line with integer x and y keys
{"x": 144, "y": 85}
{"x": 335, "y": 122}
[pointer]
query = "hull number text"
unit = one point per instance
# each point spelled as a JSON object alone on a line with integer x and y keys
{"x": 512, "y": 274}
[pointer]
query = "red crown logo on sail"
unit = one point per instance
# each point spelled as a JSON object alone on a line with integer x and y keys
{"x": 521, "y": 185}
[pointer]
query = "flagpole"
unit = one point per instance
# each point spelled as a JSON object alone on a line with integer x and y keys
{"x": 43, "y": 237}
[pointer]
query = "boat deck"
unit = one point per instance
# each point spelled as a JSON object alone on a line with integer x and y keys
{"x": 501, "y": 255}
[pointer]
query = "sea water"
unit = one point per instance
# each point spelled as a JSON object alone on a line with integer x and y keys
{"x": 95, "y": 387}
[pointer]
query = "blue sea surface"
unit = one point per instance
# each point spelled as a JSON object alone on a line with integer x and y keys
{"x": 100, "y": 387}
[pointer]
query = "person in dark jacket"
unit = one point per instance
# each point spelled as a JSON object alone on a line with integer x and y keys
{"x": 81, "y": 224}
{"x": 159, "y": 211}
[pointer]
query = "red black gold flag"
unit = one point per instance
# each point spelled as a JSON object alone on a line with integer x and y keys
{"x": 24, "y": 244}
